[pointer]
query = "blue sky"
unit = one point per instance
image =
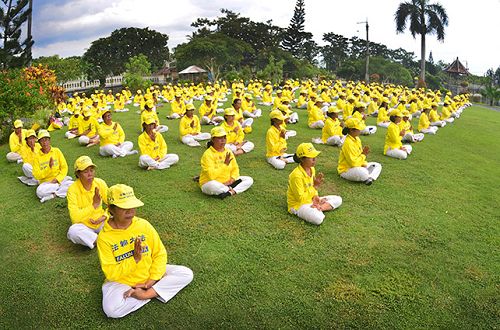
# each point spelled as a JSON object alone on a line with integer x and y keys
{"x": 67, "y": 27}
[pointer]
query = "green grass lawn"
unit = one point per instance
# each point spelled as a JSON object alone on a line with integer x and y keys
{"x": 417, "y": 249}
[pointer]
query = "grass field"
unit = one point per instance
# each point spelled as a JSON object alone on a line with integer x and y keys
{"x": 417, "y": 249}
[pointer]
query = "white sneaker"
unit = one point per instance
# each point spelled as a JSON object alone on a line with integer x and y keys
{"x": 47, "y": 198}
{"x": 23, "y": 179}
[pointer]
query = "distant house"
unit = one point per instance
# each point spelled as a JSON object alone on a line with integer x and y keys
{"x": 193, "y": 73}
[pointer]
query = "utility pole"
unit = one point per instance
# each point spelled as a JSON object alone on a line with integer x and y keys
{"x": 367, "y": 75}
{"x": 30, "y": 18}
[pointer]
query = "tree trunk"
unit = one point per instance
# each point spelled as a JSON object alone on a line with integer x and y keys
{"x": 422, "y": 58}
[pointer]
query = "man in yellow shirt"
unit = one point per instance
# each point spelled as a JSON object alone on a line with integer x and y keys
{"x": 276, "y": 145}
{"x": 190, "y": 128}
{"x": 28, "y": 153}
{"x": 16, "y": 141}
{"x": 352, "y": 164}
{"x": 249, "y": 108}
{"x": 133, "y": 258}
{"x": 235, "y": 134}
{"x": 50, "y": 169}
{"x": 393, "y": 146}
{"x": 316, "y": 117}
{"x": 424, "y": 124}
{"x": 154, "y": 148}
{"x": 85, "y": 198}
{"x": 331, "y": 133}
{"x": 207, "y": 112}
{"x": 302, "y": 194}
{"x": 88, "y": 130}
{"x": 220, "y": 174}
{"x": 112, "y": 138}
{"x": 178, "y": 107}
{"x": 73, "y": 125}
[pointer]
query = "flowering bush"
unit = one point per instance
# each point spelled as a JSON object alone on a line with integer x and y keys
{"x": 24, "y": 92}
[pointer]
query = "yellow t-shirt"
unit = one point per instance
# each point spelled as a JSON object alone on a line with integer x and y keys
{"x": 316, "y": 114}
{"x": 80, "y": 202}
{"x": 351, "y": 154}
{"x": 29, "y": 155}
{"x": 392, "y": 137}
{"x": 332, "y": 128}
{"x": 108, "y": 135}
{"x": 213, "y": 166}
{"x": 423, "y": 121}
{"x": 275, "y": 144}
{"x": 115, "y": 248}
{"x": 43, "y": 172}
{"x": 300, "y": 188}
{"x": 233, "y": 136}
{"x": 156, "y": 148}
{"x": 185, "y": 125}
{"x": 91, "y": 124}
{"x": 14, "y": 144}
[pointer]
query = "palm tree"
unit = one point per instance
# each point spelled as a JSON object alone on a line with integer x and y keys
{"x": 424, "y": 18}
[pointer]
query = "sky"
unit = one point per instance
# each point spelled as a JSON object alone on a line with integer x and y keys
{"x": 68, "y": 27}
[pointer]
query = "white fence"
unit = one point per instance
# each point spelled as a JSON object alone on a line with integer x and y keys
{"x": 115, "y": 81}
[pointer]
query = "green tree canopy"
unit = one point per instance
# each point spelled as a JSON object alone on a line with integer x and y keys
{"x": 423, "y": 18}
{"x": 107, "y": 56}
{"x": 14, "y": 52}
{"x": 70, "y": 68}
{"x": 136, "y": 68}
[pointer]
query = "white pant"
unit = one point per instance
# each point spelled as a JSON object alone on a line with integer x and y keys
{"x": 84, "y": 140}
{"x": 78, "y": 233}
{"x": 449, "y": 120}
{"x": 290, "y": 133}
{"x": 399, "y": 153}
{"x": 294, "y": 118}
{"x": 146, "y": 161}
{"x": 313, "y": 215}
{"x": 47, "y": 189}
{"x": 439, "y": 123}
{"x": 115, "y": 306}
{"x": 369, "y": 130}
{"x": 371, "y": 171}
{"x": 69, "y": 135}
{"x": 205, "y": 120}
{"x": 216, "y": 188}
{"x": 413, "y": 137}
{"x": 123, "y": 150}
{"x": 28, "y": 178}
{"x": 317, "y": 124}
{"x": 336, "y": 140}
{"x": 174, "y": 116}
{"x": 384, "y": 124}
{"x": 430, "y": 130}
{"x": 280, "y": 162}
{"x": 247, "y": 147}
{"x": 254, "y": 114}
{"x": 13, "y": 157}
{"x": 247, "y": 122}
{"x": 192, "y": 140}
{"x": 161, "y": 128}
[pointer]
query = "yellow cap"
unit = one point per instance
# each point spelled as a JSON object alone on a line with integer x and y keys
{"x": 139, "y": 91}
{"x": 178, "y": 95}
{"x": 29, "y": 133}
{"x": 320, "y": 100}
{"x": 334, "y": 109}
{"x": 360, "y": 105}
{"x": 276, "y": 114}
{"x": 279, "y": 91}
{"x": 229, "y": 112}
{"x": 209, "y": 98}
{"x": 43, "y": 133}
{"x": 149, "y": 120}
{"x": 150, "y": 104}
{"x": 189, "y": 106}
{"x": 118, "y": 94}
{"x": 396, "y": 113}
{"x": 18, "y": 123}
{"x": 87, "y": 113}
{"x": 218, "y": 132}
{"x": 248, "y": 96}
{"x": 353, "y": 123}
{"x": 82, "y": 162}
{"x": 307, "y": 150}
{"x": 123, "y": 196}
{"x": 406, "y": 113}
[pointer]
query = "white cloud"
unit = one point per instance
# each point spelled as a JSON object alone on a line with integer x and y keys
{"x": 468, "y": 36}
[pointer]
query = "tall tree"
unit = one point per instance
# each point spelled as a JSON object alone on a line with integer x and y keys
{"x": 424, "y": 18}
{"x": 13, "y": 51}
{"x": 294, "y": 37}
{"x": 108, "y": 55}
{"x": 336, "y": 51}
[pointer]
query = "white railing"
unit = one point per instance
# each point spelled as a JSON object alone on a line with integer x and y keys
{"x": 114, "y": 81}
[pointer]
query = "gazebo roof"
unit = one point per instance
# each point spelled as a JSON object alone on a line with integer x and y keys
{"x": 456, "y": 68}
{"x": 192, "y": 69}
